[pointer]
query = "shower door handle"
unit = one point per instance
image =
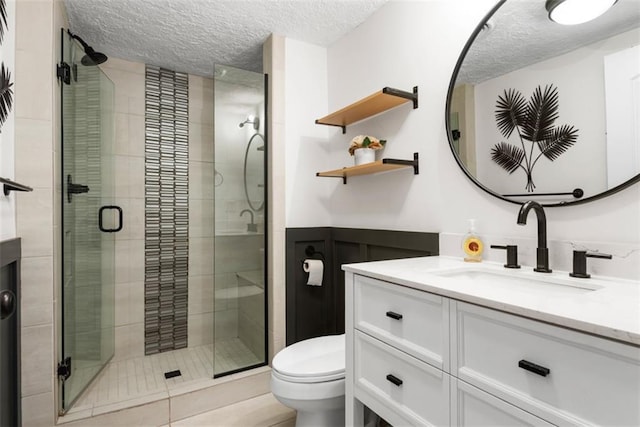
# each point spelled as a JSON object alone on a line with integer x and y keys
{"x": 100, "y": 224}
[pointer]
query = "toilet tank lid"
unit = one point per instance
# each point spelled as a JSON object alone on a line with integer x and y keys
{"x": 314, "y": 357}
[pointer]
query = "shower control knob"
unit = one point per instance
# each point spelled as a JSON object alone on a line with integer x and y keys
{"x": 75, "y": 188}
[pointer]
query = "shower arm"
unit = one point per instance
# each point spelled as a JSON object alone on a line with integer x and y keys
{"x": 82, "y": 42}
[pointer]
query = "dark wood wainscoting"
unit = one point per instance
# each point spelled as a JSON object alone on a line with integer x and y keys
{"x": 314, "y": 311}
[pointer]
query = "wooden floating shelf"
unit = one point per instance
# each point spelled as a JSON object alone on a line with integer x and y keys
{"x": 378, "y": 102}
{"x": 383, "y": 165}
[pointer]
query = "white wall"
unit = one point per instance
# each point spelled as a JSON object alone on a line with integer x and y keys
{"x": 306, "y": 145}
{"x": 408, "y": 43}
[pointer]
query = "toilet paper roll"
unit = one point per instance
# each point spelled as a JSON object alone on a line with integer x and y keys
{"x": 315, "y": 268}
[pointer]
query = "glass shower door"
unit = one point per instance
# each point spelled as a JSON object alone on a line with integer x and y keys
{"x": 240, "y": 332}
{"x": 89, "y": 222}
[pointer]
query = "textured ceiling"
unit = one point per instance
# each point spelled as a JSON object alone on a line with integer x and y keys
{"x": 521, "y": 34}
{"x": 193, "y": 35}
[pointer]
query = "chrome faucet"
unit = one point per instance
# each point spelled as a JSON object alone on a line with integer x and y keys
{"x": 252, "y": 227}
{"x": 542, "y": 253}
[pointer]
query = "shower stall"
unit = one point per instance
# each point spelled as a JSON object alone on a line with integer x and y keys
{"x": 163, "y": 231}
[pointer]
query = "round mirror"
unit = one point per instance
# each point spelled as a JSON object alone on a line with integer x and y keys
{"x": 548, "y": 112}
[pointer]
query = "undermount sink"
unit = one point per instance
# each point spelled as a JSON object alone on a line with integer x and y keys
{"x": 521, "y": 281}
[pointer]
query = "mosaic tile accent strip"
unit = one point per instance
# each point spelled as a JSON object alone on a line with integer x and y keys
{"x": 166, "y": 209}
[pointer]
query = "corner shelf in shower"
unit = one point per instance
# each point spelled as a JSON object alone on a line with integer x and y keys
{"x": 383, "y": 165}
{"x": 252, "y": 277}
{"x": 376, "y": 103}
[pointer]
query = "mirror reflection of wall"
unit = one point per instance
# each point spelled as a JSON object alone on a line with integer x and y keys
{"x": 622, "y": 103}
{"x": 579, "y": 77}
{"x": 598, "y": 85}
{"x": 463, "y": 107}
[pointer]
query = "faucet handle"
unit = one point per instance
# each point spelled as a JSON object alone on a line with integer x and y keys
{"x": 512, "y": 255}
{"x": 580, "y": 262}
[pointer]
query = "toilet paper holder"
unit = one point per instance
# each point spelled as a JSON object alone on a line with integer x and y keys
{"x": 311, "y": 252}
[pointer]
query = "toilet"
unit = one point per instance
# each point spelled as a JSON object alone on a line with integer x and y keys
{"x": 308, "y": 376}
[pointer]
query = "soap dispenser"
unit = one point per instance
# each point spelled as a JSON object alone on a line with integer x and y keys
{"x": 472, "y": 244}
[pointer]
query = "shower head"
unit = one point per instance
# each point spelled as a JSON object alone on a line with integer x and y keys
{"x": 252, "y": 120}
{"x": 91, "y": 57}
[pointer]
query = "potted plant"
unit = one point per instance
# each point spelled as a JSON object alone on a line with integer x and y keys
{"x": 364, "y": 147}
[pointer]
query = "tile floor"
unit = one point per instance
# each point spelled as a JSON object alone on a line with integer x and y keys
{"x": 128, "y": 380}
{"x": 261, "y": 411}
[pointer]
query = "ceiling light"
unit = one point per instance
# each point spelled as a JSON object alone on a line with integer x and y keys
{"x": 572, "y": 12}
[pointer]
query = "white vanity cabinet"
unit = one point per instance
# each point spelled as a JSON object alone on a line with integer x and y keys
{"x": 400, "y": 352}
{"x": 412, "y": 321}
{"x": 471, "y": 406}
{"x": 563, "y": 376}
{"x": 418, "y": 358}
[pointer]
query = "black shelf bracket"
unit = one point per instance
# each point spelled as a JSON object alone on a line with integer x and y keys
{"x": 343, "y": 127}
{"x": 414, "y": 163}
{"x": 10, "y": 186}
{"x": 413, "y": 96}
{"x": 343, "y": 177}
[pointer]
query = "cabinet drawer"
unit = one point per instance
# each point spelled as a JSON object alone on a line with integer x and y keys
{"x": 413, "y": 321}
{"x": 473, "y": 407}
{"x": 408, "y": 387}
{"x": 591, "y": 380}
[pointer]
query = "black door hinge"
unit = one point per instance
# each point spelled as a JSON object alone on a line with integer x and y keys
{"x": 64, "y": 369}
{"x": 64, "y": 72}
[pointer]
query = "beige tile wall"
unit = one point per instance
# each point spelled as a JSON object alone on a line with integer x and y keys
{"x": 128, "y": 80}
{"x": 38, "y": 214}
{"x": 273, "y": 54}
{"x": 201, "y": 208}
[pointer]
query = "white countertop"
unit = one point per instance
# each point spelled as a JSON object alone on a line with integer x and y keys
{"x": 612, "y": 310}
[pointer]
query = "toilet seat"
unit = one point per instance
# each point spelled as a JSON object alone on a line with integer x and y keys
{"x": 313, "y": 360}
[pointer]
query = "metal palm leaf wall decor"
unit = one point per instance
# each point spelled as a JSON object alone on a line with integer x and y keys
{"x": 3, "y": 19}
{"x": 533, "y": 122}
{"x": 6, "y": 94}
{"x": 6, "y": 91}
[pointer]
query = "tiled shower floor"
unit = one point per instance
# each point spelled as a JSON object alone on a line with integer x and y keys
{"x": 125, "y": 380}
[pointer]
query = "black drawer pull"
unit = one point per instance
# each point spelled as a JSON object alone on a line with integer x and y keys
{"x": 394, "y": 315}
{"x": 395, "y": 380}
{"x": 532, "y": 367}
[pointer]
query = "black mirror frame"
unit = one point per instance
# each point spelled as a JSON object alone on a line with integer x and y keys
{"x": 454, "y": 76}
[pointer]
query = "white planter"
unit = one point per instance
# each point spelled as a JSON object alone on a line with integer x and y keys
{"x": 364, "y": 155}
